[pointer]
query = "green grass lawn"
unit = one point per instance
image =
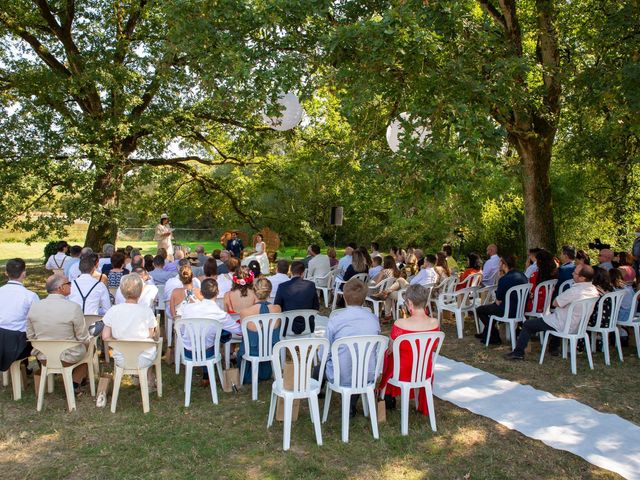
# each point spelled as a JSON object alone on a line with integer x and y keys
{"x": 231, "y": 440}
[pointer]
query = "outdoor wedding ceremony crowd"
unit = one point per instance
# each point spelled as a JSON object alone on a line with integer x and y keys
{"x": 227, "y": 307}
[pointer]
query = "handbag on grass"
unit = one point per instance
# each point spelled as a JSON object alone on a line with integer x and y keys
{"x": 231, "y": 380}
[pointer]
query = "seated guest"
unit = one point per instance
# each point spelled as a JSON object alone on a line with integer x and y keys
{"x": 367, "y": 257}
{"x": 601, "y": 280}
{"x": 416, "y": 298}
{"x": 56, "y": 318}
{"x": 616, "y": 277}
{"x": 331, "y": 253}
{"x": 281, "y": 276}
{"x": 297, "y": 294}
{"x": 202, "y": 258}
{"x": 319, "y": 266}
{"x": 351, "y": 321}
{"x": 223, "y": 265}
{"x": 57, "y": 261}
{"x": 159, "y": 274}
{"x": 175, "y": 282}
{"x": 545, "y": 270}
{"x": 173, "y": 266}
{"x": 474, "y": 266}
{"x": 308, "y": 257}
{"x": 223, "y": 280}
{"x": 442, "y": 267}
{"x": 92, "y": 295}
{"x": 581, "y": 290}
{"x": 388, "y": 270}
{"x": 358, "y": 265}
{"x": 374, "y": 250}
{"x": 511, "y": 278}
{"x": 491, "y": 267}
{"x": 606, "y": 258}
{"x": 390, "y": 295}
{"x": 625, "y": 264}
{"x": 104, "y": 263}
{"x": 262, "y": 289}
{"x": 148, "y": 263}
{"x": 254, "y": 267}
{"x": 400, "y": 256}
{"x": 567, "y": 266}
{"x": 376, "y": 267}
{"x": 346, "y": 260}
{"x": 582, "y": 258}
{"x": 451, "y": 262}
{"x": 427, "y": 274}
{"x": 149, "y": 292}
{"x": 137, "y": 260}
{"x": 15, "y": 302}
{"x": 531, "y": 265}
{"x": 414, "y": 259}
{"x": 132, "y": 321}
{"x": 241, "y": 295}
{"x": 74, "y": 258}
{"x": 74, "y": 268}
{"x": 208, "y": 308}
{"x": 117, "y": 269}
{"x": 185, "y": 294}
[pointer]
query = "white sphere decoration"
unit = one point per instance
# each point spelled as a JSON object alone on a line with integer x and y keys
{"x": 291, "y": 113}
{"x": 395, "y": 131}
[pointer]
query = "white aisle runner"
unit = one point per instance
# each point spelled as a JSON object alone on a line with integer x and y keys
{"x": 603, "y": 439}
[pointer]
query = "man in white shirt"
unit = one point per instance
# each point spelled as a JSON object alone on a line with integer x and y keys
{"x": 319, "y": 266}
{"x": 491, "y": 267}
{"x": 74, "y": 258}
{"x": 345, "y": 261}
{"x": 581, "y": 290}
{"x": 533, "y": 266}
{"x": 15, "y": 302}
{"x": 92, "y": 295}
{"x": 57, "y": 261}
{"x": 149, "y": 292}
{"x": 427, "y": 273}
{"x": 350, "y": 321}
{"x": 281, "y": 276}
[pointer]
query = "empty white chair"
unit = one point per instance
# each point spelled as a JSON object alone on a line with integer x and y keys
{"x": 302, "y": 352}
{"x": 585, "y": 307}
{"x": 16, "y": 379}
{"x": 565, "y": 285}
{"x": 521, "y": 293}
{"x": 197, "y": 329}
{"x": 377, "y": 289}
{"x": 337, "y": 289}
{"x": 459, "y": 303}
{"x": 633, "y": 321}
{"x": 287, "y": 317}
{"x": 52, "y": 349}
{"x": 616, "y": 302}
{"x": 265, "y": 330}
{"x": 365, "y": 351}
{"x": 425, "y": 348}
{"x": 131, "y": 350}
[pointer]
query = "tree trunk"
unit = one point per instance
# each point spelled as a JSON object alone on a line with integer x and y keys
{"x": 103, "y": 227}
{"x": 535, "y": 161}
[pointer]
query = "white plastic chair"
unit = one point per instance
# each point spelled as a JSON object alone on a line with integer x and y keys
{"x": 376, "y": 289}
{"x": 521, "y": 292}
{"x": 265, "y": 328}
{"x": 365, "y": 351}
{"x": 160, "y": 305}
{"x": 473, "y": 280}
{"x": 586, "y": 307}
{"x": 52, "y": 349}
{"x": 290, "y": 315}
{"x": 483, "y": 296}
{"x": 447, "y": 285}
{"x": 567, "y": 284}
{"x": 326, "y": 287}
{"x": 547, "y": 287}
{"x": 337, "y": 290}
{"x": 634, "y": 320}
{"x": 196, "y": 329}
{"x": 131, "y": 350}
{"x": 459, "y": 303}
{"x": 424, "y": 346}
{"x": 302, "y": 352}
{"x": 16, "y": 379}
{"x": 616, "y": 302}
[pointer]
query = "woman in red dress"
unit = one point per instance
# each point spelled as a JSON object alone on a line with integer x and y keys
{"x": 416, "y": 298}
{"x": 546, "y": 270}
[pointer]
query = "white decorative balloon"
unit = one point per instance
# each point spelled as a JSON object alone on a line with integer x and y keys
{"x": 395, "y": 131}
{"x": 291, "y": 113}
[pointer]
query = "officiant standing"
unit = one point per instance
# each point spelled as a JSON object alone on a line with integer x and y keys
{"x": 164, "y": 235}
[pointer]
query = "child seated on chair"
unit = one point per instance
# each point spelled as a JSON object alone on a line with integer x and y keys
{"x": 131, "y": 321}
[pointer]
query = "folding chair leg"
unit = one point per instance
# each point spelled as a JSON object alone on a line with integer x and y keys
{"x": 68, "y": 388}
{"x": 488, "y": 335}
{"x": 92, "y": 378}
{"x": 117, "y": 380}
{"x": 220, "y": 373}
{"x": 573, "y": 351}
{"x": 605, "y": 349}
{"x": 618, "y": 344}
{"x": 346, "y": 402}
{"x": 144, "y": 389}
{"x": 16, "y": 379}
{"x": 431, "y": 407}
{"x": 327, "y": 403}
{"x": 373, "y": 414}
{"x": 288, "y": 409}
{"x": 315, "y": 414}
{"x": 544, "y": 347}
{"x": 272, "y": 409}
{"x": 365, "y": 405}
{"x": 254, "y": 380}
{"x": 188, "y": 372}
{"x": 43, "y": 382}
{"x": 212, "y": 383}
{"x": 459, "y": 323}
{"x": 404, "y": 411}
{"x": 588, "y": 350}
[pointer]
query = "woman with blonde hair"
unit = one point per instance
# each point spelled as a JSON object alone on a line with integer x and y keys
{"x": 186, "y": 294}
{"x": 358, "y": 265}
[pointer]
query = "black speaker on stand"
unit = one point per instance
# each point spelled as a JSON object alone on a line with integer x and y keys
{"x": 336, "y": 221}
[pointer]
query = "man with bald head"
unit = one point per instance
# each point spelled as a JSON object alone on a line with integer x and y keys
{"x": 491, "y": 267}
{"x": 605, "y": 257}
{"x": 56, "y": 318}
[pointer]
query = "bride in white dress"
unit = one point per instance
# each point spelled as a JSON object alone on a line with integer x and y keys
{"x": 259, "y": 255}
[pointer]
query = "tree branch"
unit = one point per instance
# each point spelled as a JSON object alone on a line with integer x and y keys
{"x": 493, "y": 13}
{"x": 125, "y": 35}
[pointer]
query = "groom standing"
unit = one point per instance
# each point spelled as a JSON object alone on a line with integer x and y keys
{"x": 235, "y": 245}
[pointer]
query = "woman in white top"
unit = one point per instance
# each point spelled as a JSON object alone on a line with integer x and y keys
{"x": 56, "y": 262}
{"x": 131, "y": 321}
{"x": 259, "y": 255}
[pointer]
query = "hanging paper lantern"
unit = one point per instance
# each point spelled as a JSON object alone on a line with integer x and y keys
{"x": 291, "y": 113}
{"x": 395, "y": 131}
